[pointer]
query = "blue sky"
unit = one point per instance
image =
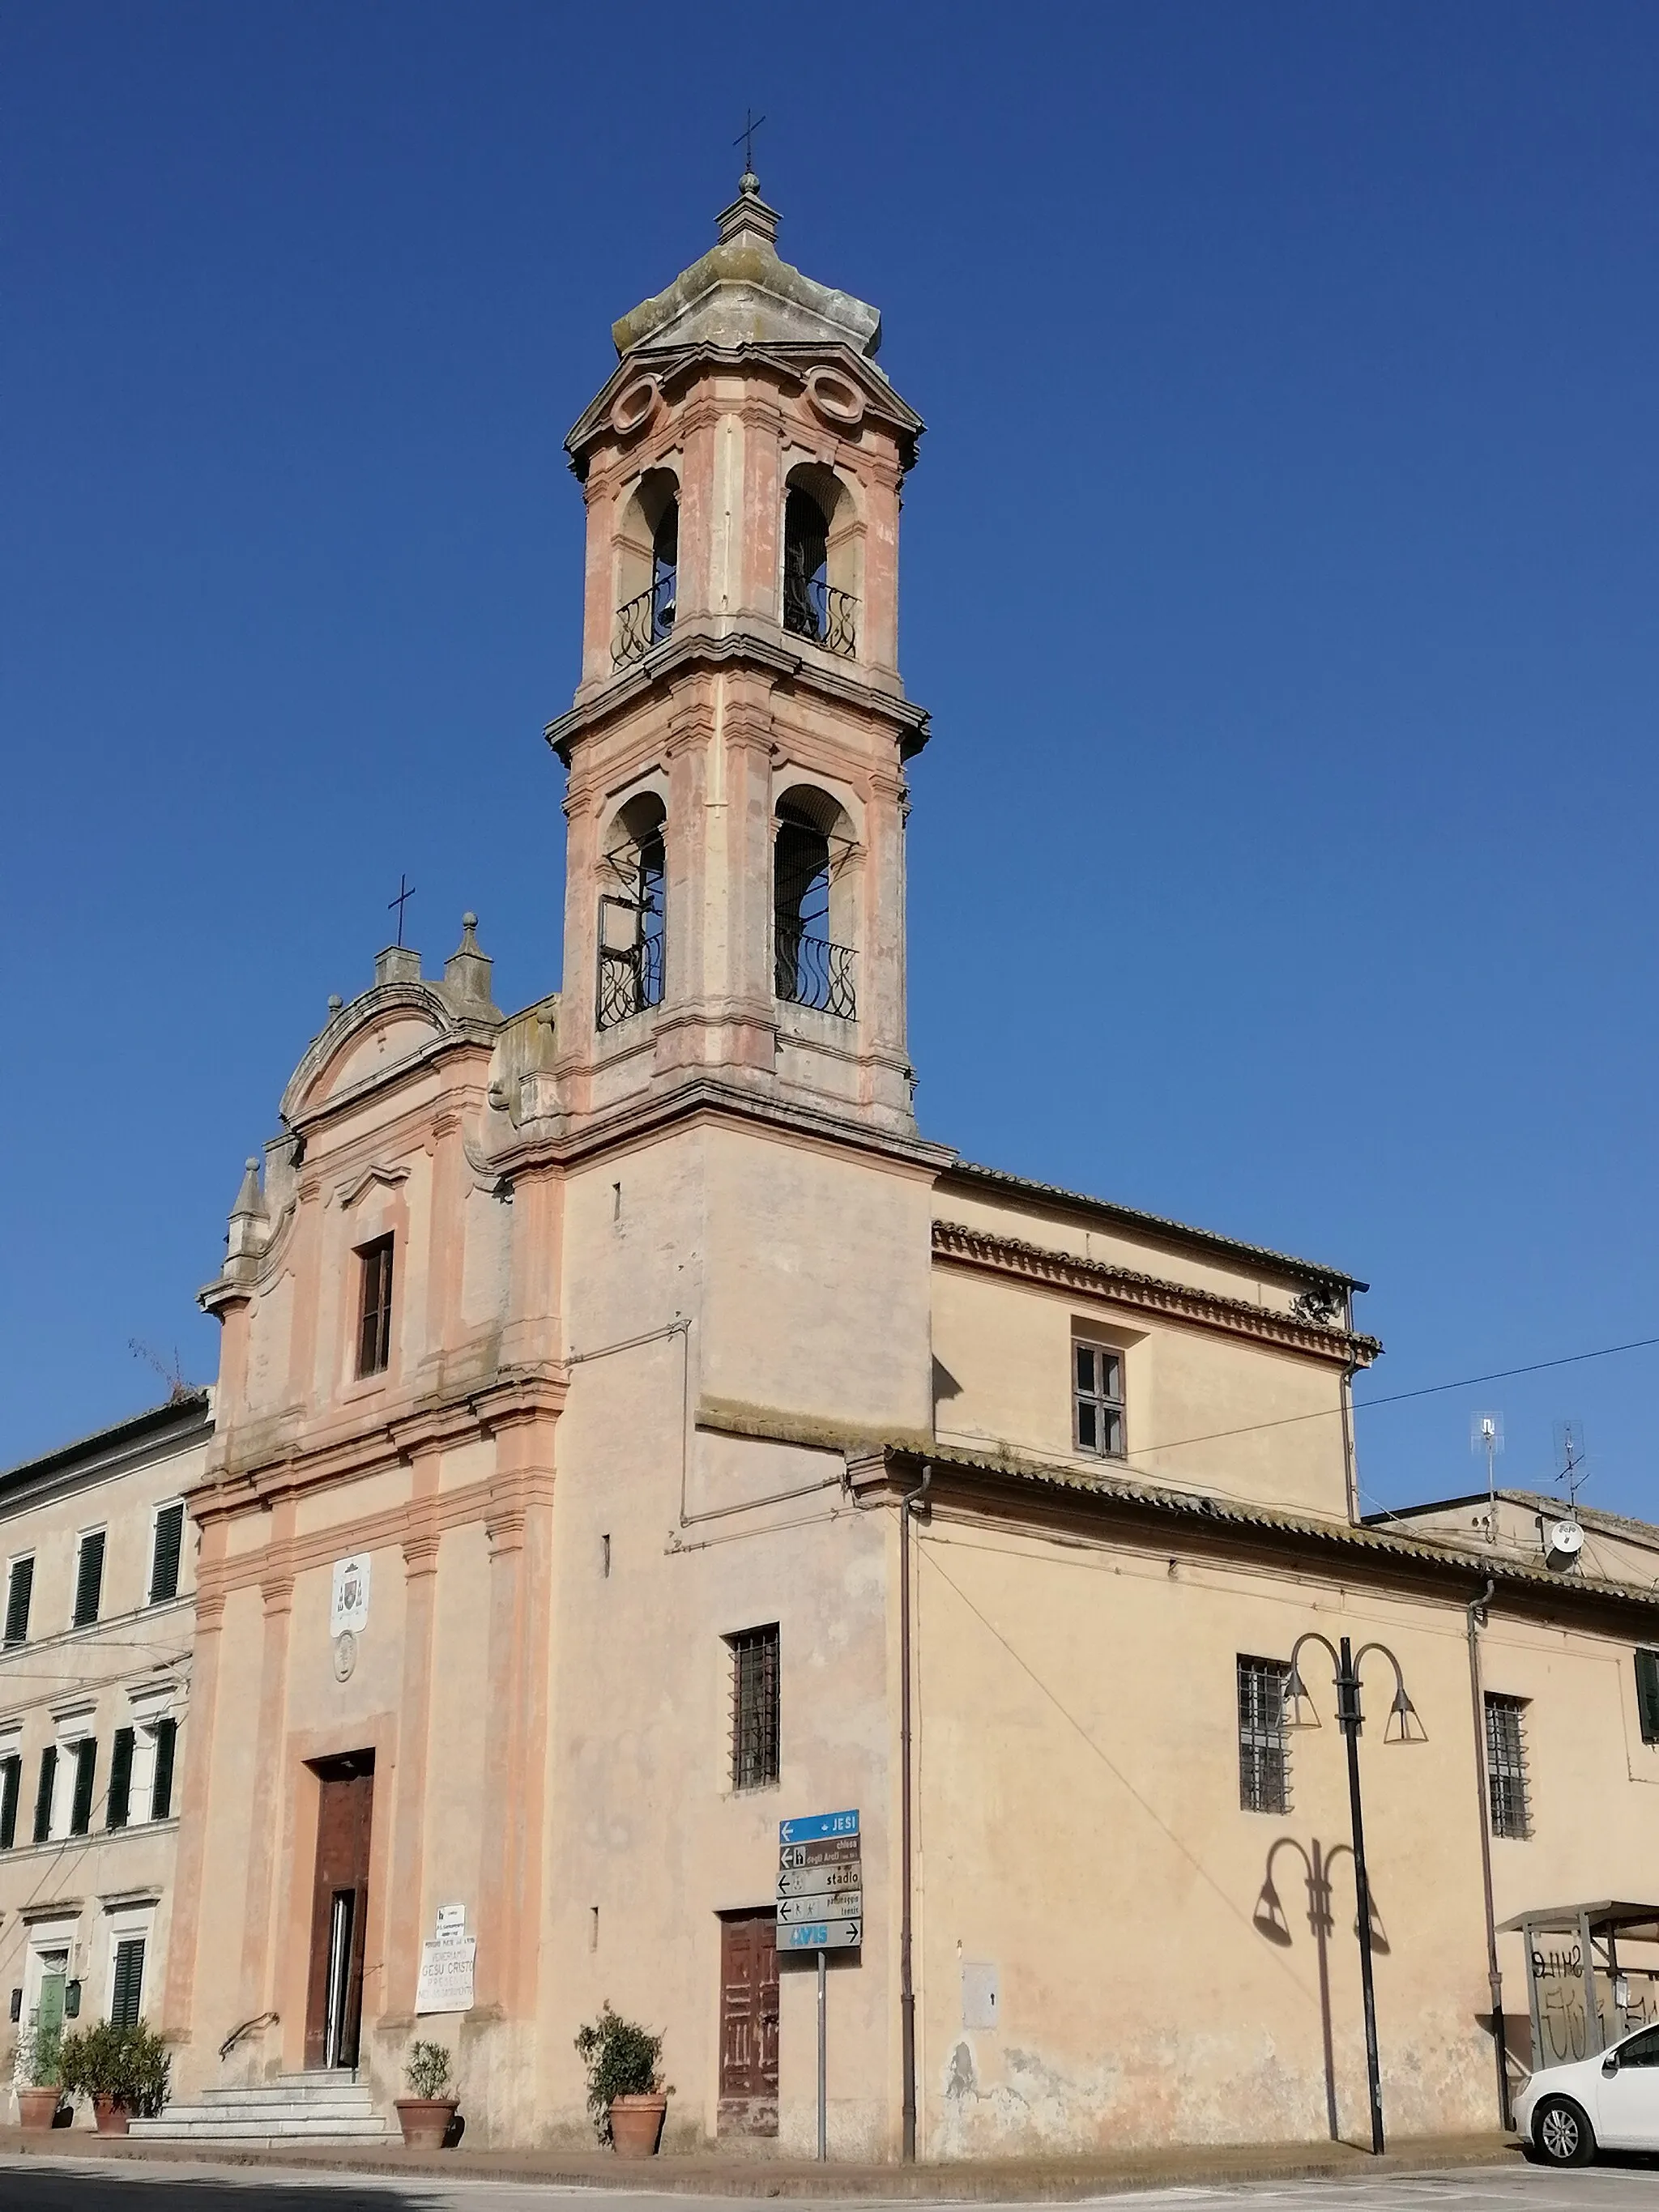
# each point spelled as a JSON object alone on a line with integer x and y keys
{"x": 1280, "y": 571}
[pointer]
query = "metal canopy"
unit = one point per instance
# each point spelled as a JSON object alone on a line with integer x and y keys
{"x": 1605, "y": 1916}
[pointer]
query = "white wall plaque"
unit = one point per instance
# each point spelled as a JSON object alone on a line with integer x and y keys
{"x": 445, "y": 1979}
{"x": 451, "y": 1920}
{"x": 350, "y": 1606}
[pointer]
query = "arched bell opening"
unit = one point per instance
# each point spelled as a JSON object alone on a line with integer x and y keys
{"x": 647, "y": 565}
{"x": 813, "y": 903}
{"x": 632, "y": 912}
{"x": 820, "y": 547}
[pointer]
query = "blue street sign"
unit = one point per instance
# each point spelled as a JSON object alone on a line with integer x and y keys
{"x": 822, "y": 1935}
{"x": 817, "y": 1825}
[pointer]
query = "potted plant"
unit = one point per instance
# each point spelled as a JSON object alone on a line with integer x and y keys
{"x": 40, "y": 2084}
{"x": 426, "y": 2115}
{"x": 123, "y": 2070}
{"x": 626, "y": 2092}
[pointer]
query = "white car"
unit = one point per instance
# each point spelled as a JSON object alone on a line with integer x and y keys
{"x": 1610, "y": 2102}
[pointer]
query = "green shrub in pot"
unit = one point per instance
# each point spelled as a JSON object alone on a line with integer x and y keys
{"x": 622, "y": 2059}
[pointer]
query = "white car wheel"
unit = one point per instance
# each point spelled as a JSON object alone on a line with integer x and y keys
{"x": 1561, "y": 2132}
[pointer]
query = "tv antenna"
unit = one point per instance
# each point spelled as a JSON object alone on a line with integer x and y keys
{"x": 1486, "y": 1434}
{"x": 1570, "y": 1453}
{"x": 173, "y": 1376}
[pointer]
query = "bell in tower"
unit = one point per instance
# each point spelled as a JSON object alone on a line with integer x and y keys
{"x": 734, "y": 919}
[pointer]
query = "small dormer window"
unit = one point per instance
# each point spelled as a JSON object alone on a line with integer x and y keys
{"x": 374, "y": 1307}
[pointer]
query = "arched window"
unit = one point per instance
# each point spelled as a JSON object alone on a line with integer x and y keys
{"x": 632, "y": 912}
{"x": 816, "y": 605}
{"x": 648, "y": 566}
{"x": 809, "y": 968}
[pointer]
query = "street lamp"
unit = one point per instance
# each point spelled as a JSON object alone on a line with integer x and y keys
{"x": 1351, "y": 1720}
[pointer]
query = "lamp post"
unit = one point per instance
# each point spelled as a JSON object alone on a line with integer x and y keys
{"x": 1351, "y": 1720}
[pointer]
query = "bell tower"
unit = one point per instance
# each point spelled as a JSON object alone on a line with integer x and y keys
{"x": 734, "y": 913}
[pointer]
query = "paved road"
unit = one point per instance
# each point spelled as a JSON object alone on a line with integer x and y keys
{"x": 31, "y": 2184}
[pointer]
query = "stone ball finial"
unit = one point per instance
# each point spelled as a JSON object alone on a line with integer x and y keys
{"x": 334, "y": 1002}
{"x": 469, "y": 922}
{"x": 251, "y": 1166}
{"x": 748, "y": 184}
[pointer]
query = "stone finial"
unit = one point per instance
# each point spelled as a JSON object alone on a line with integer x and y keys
{"x": 250, "y": 1200}
{"x": 748, "y": 220}
{"x": 250, "y": 1225}
{"x": 335, "y": 1003}
{"x": 466, "y": 971}
{"x": 398, "y": 964}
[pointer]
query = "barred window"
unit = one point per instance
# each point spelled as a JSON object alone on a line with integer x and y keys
{"x": 1097, "y": 1398}
{"x": 1264, "y": 1759}
{"x": 755, "y": 1707}
{"x": 1506, "y": 1767}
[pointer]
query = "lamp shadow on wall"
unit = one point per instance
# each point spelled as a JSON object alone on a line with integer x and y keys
{"x": 1271, "y": 1923}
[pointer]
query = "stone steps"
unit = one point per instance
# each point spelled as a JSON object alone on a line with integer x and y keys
{"x": 334, "y": 2107}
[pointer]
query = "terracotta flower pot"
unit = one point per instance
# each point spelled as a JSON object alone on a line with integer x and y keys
{"x": 37, "y": 2108}
{"x": 636, "y": 2126}
{"x": 425, "y": 2121}
{"x": 110, "y": 2114}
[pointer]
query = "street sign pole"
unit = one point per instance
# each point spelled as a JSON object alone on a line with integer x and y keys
{"x": 824, "y": 2055}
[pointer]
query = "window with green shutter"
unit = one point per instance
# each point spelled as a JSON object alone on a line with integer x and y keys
{"x": 43, "y": 1794}
{"x": 1647, "y": 1694}
{"x": 120, "y": 1780}
{"x": 160, "y": 1796}
{"x": 20, "y": 1587}
{"x": 127, "y": 1994}
{"x": 11, "y": 1786}
{"x": 88, "y": 1579}
{"x": 164, "y": 1564}
{"x": 86, "y": 1769}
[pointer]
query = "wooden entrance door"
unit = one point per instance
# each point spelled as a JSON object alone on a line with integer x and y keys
{"x": 339, "y": 1912}
{"x": 749, "y": 2023}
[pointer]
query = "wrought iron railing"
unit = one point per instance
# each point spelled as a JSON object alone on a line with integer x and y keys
{"x": 822, "y": 612}
{"x": 643, "y": 620}
{"x": 810, "y": 971}
{"x": 630, "y": 980}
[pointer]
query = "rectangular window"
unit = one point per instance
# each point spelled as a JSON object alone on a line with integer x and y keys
{"x": 128, "y": 1990}
{"x": 11, "y": 1788}
{"x": 1647, "y": 1694}
{"x": 164, "y": 1560}
{"x": 755, "y": 1708}
{"x": 88, "y": 1579}
{"x": 1264, "y": 1759}
{"x": 161, "y": 1794}
{"x": 20, "y": 1587}
{"x": 42, "y": 1795}
{"x": 1096, "y": 1398}
{"x": 1506, "y": 1767}
{"x": 86, "y": 1769}
{"x": 375, "y": 1308}
{"x": 120, "y": 1780}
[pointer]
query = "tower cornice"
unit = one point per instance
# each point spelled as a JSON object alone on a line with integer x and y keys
{"x": 687, "y": 650}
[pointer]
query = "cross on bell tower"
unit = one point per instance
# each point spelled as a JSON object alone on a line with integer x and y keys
{"x": 735, "y": 889}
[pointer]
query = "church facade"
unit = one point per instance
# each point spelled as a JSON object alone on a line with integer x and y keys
{"x": 633, "y": 1435}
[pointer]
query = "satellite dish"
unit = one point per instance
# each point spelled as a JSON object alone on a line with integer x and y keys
{"x": 1564, "y": 1543}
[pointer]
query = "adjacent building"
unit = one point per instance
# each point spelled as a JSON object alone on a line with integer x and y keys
{"x": 99, "y": 1561}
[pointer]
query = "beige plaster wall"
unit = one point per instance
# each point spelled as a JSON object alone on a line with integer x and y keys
{"x": 1204, "y": 1411}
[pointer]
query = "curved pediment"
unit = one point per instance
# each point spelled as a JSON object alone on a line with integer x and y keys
{"x": 380, "y": 1034}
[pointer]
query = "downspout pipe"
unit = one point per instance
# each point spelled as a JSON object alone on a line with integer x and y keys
{"x": 1475, "y": 1618}
{"x": 909, "y": 1506}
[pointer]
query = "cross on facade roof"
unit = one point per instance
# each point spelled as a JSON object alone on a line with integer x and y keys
{"x": 405, "y": 892}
